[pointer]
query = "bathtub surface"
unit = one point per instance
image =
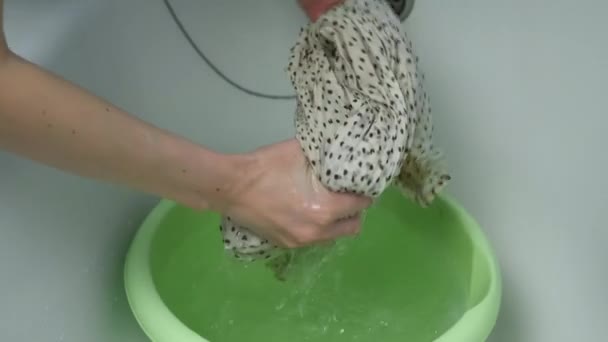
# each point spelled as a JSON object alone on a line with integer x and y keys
{"x": 518, "y": 94}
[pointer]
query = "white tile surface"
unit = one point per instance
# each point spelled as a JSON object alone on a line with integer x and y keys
{"x": 518, "y": 92}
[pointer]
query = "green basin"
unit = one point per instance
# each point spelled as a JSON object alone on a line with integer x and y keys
{"x": 412, "y": 275}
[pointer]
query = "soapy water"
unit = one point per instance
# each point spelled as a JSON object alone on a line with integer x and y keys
{"x": 389, "y": 284}
{"x": 310, "y": 313}
{"x": 313, "y": 305}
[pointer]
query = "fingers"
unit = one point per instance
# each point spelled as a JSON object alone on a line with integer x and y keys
{"x": 340, "y": 216}
{"x": 310, "y": 235}
{"x": 347, "y": 205}
{"x": 344, "y": 227}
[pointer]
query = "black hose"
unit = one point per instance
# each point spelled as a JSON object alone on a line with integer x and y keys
{"x": 213, "y": 67}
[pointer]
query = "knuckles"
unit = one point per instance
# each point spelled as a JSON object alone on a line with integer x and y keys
{"x": 302, "y": 236}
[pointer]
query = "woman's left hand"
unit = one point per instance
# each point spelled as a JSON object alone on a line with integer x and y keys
{"x": 315, "y": 8}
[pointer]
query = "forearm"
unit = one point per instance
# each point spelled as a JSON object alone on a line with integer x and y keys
{"x": 57, "y": 123}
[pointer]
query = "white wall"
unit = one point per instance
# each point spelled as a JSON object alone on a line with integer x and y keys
{"x": 517, "y": 90}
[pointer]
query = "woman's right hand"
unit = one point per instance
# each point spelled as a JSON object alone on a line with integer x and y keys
{"x": 278, "y": 198}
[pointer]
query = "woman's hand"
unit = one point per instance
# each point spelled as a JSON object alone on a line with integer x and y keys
{"x": 279, "y": 199}
{"x": 315, "y": 8}
{"x": 50, "y": 120}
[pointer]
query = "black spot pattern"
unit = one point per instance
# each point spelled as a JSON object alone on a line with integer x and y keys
{"x": 363, "y": 117}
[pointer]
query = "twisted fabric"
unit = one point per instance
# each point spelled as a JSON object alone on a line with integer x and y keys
{"x": 363, "y": 118}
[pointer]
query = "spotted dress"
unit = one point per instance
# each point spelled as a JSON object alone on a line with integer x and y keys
{"x": 363, "y": 117}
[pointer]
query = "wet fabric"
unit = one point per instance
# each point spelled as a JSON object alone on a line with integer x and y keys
{"x": 363, "y": 117}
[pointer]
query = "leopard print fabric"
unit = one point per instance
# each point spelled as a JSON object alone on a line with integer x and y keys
{"x": 363, "y": 117}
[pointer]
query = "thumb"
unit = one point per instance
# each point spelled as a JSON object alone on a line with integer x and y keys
{"x": 348, "y": 205}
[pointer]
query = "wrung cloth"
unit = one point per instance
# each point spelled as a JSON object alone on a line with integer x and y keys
{"x": 363, "y": 117}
